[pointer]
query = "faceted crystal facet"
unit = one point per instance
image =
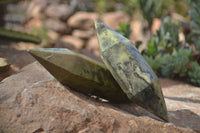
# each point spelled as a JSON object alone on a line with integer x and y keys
{"x": 130, "y": 70}
{"x": 80, "y": 73}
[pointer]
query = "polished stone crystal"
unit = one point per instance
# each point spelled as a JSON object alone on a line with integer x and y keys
{"x": 130, "y": 70}
{"x": 80, "y": 73}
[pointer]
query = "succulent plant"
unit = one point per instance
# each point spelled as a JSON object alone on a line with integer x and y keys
{"x": 166, "y": 66}
{"x": 152, "y": 47}
{"x": 154, "y": 63}
{"x": 165, "y": 41}
{"x": 180, "y": 60}
{"x": 194, "y": 13}
{"x": 149, "y": 9}
{"x": 194, "y": 74}
{"x": 175, "y": 64}
{"x": 125, "y": 29}
{"x": 170, "y": 58}
{"x": 171, "y": 65}
{"x": 168, "y": 35}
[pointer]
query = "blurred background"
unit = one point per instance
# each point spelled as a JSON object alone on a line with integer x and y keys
{"x": 165, "y": 32}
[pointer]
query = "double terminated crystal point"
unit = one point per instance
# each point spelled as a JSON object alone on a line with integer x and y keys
{"x": 130, "y": 70}
{"x": 80, "y": 73}
{"x": 136, "y": 81}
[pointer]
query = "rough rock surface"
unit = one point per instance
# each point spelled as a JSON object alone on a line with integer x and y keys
{"x": 56, "y": 25}
{"x": 64, "y": 44}
{"x": 37, "y": 7}
{"x": 83, "y": 34}
{"x": 93, "y": 45}
{"x": 74, "y": 41}
{"x": 52, "y": 35}
{"x": 33, "y": 101}
{"x": 58, "y": 11}
{"x": 16, "y": 56}
{"x": 112, "y": 19}
{"x": 82, "y": 20}
{"x": 34, "y": 23}
{"x": 183, "y": 103}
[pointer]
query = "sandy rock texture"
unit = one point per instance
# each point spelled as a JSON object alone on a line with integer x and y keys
{"x": 183, "y": 103}
{"x": 16, "y": 56}
{"x": 32, "y": 101}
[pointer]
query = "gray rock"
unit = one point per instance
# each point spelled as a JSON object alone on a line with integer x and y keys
{"x": 93, "y": 45}
{"x": 58, "y": 11}
{"x": 83, "y": 34}
{"x": 36, "y": 8}
{"x": 33, "y": 101}
{"x": 56, "y": 25}
{"x": 63, "y": 44}
{"x": 82, "y": 20}
{"x": 74, "y": 41}
{"x": 17, "y": 58}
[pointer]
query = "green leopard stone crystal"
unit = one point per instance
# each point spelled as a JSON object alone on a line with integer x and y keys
{"x": 80, "y": 73}
{"x": 130, "y": 70}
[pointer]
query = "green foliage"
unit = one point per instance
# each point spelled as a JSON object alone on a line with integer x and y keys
{"x": 125, "y": 29}
{"x": 166, "y": 65}
{"x": 154, "y": 63}
{"x": 149, "y": 9}
{"x": 194, "y": 38}
{"x": 165, "y": 41}
{"x": 175, "y": 64}
{"x": 169, "y": 58}
{"x": 152, "y": 47}
{"x": 172, "y": 65}
{"x": 168, "y": 35}
{"x": 43, "y": 33}
{"x": 181, "y": 59}
{"x": 194, "y": 13}
{"x": 129, "y": 6}
{"x": 138, "y": 44}
{"x": 103, "y": 6}
{"x": 181, "y": 8}
{"x": 194, "y": 74}
{"x": 40, "y": 31}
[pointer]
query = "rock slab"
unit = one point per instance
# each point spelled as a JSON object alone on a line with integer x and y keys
{"x": 32, "y": 101}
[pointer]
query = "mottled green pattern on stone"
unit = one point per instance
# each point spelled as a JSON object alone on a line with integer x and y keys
{"x": 130, "y": 70}
{"x": 80, "y": 73}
